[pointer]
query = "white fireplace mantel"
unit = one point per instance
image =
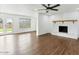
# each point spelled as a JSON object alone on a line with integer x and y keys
{"x": 72, "y": 30}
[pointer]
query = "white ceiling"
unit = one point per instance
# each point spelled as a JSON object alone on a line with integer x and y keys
{"x": 62, "y": 8}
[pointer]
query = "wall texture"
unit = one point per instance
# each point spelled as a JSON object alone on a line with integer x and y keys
{"x": 73, "y": 29}
{"x": 43, "y": 25}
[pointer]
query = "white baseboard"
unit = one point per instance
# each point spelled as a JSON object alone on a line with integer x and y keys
{"x": 66, "y": 35}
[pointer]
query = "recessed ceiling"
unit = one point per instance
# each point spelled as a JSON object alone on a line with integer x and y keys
{"x": 62, "y": 8}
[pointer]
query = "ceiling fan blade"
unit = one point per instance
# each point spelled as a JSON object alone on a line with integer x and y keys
{"x": 44, "y": 5}
{"x": 55, "y": 5}
{"x": 39, "y": 9}
{"x": 55, "y": 9}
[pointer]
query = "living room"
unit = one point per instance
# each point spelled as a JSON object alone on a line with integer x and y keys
{"x": 39, "y": 29}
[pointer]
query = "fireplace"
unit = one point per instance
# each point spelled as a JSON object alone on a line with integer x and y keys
{"x": 63, "y": 29}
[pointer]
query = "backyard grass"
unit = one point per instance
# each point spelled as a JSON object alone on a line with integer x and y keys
{"x": 8, "y": 30}
{"x": 1, "y": 30}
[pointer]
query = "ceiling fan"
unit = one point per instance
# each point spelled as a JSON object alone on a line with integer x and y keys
{"x": 49, "y": 7}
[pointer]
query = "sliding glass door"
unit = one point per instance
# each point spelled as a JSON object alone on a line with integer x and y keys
{"x": 6, "y": 25}
{"x": 9, "y": 25}
{"x": 1, "y": 26}
{"x": 6, "y": 42}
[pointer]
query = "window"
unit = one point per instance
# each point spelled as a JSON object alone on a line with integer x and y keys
{"x": 9, "y": 25}
{"x": 25, "y": 23}
{"x": 1, "y": 25}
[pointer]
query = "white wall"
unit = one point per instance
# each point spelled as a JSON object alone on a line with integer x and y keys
{"x": 43, "y": 26}
{"x": 73, "y": 29}
{"x": 65, "y": 15}
{"x": 47, "y": 26}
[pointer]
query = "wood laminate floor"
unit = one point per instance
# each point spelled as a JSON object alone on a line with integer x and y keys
{"x": 30, "y": 44}
{"x": 55, "y": 45}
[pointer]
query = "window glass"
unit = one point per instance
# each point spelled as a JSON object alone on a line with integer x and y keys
{"x": 25, "y": 23}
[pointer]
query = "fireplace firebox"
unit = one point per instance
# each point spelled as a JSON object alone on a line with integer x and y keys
{"x": 63, "y": 29}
